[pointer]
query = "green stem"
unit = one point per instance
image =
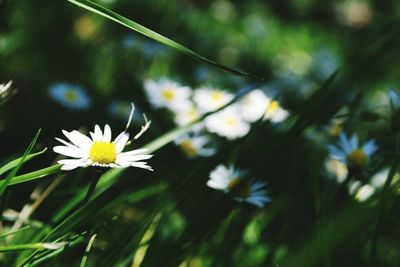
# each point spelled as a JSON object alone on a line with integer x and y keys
{"x": 92, "y": 187}
{"x": 384, "y": 198}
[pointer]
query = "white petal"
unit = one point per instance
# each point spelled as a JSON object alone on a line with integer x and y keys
{"x": 217, "y": 184}
{"x": 107, "y": 134}
{"x": 70, "y": 164}
{"x": 142, "y": 165}
{"x": 65, "y": 142}
{"x": 98, "y": 135}
{"x": 78, "y": 139}
{"x": 134, "y": 152}
{"x": 69, "y": 151}
{"x": 84, "y": 141}
{"x": 121, "y": 141}
{"x": 133, "y": 158}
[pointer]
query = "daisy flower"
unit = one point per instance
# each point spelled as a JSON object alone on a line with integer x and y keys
{"x": 254, "y": 105}
{"x": 275, "y": 112}
{"x": 167, "y": 94}
{"x": 210, "y": 99}
{"x": 195, "y": 145}
{"x": 99, "y": 150}
{"x": 349, "y": 151}
{"x": 188, "y": 114}
{"x": 5, "y": 89}
{"x": 227, "y": 123}
{"x": 70, "y": 96}
{"x": 234, "y": 182}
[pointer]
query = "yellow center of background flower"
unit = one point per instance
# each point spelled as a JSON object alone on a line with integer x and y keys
{"x": 168, "y": 94}
{"x": 188, "y": 148}
{"x": 239, "y": 188}
{"x": 70, "y": 95}
{"x": 103, "y": 152}
{"x": 357, "y": 158}
{"x": 216, "y": 95}
{"x": 272, "y": 107}
{"x": 231, "y": 121}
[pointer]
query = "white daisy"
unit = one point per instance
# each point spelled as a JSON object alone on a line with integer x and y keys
{"x": 195, "y": 145}
{"x": 210, "y": 99}
{"x": 100, "y": 151}
{"x": 5, "y": 89}
{"x": 254, "y": 105}
{"x": 188, "y": 114}
{"x": 227, "y": 123}
{"x": 275, "y": 112}
{"x": 348, "y": 151}
{"x": 234, "y": 182}
{"x": 167, "y": 93}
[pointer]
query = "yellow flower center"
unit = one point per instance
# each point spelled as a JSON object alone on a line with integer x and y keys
{"x": 272, "y": 107}
{"x": 231, "y": 121}
{"x": 70, "y": 96}
{"x": 192, "y": 114}
{"x": 216, "y": 95}
{"x": 239, "y": 188}
{"x": 103, "y": 152}
{"x": 188, "y": 148}
{"x": 168, "y": 94}
{"x": 335, "y": 130}
{"x": 357, "y": 158}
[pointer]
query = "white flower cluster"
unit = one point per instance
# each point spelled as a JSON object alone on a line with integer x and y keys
{"x": 188, "y": 105}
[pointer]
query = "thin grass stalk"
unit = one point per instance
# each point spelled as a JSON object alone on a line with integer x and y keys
{"x": 383, "y": 202}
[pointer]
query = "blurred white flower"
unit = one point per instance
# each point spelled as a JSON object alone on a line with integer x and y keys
{"x": 254, "y": 105}
{"x": 379, "y": 179}
{"x": 5, "y": 89}
{"x": 227, "y": 123}
{"x": 210, "y": 99}
{"x": 167, "y": 93}
{"x": 100, "y": 151}
{"x": 364, "y": 192}
{"x": 234, "y": 182}
{"x": 188, "y": 114}
{"x": 275, "y": 112}
{"x": 337, "y": 168}
{"x": 195, "y": 145}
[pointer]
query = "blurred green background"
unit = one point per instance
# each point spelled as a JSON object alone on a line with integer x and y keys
{"x": 293, "y": 45}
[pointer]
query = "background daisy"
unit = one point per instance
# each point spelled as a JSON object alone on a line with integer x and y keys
{"x": 70, "y": 96}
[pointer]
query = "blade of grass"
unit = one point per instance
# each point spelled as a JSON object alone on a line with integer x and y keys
{"x": 35, "y": 175}
{"x": 98, "y": 9}
{"x": 141, "y": 251}
{"x": 50, "y": 246}
{"x": 11, "y": 175}
{"x": 92, "y": 208}
{"x": 87, "y": 250}
{"x": 383, "y": 203}
{"x": 48, "y": 254}
{"x": 14, "y": 232}
{"x": 14, "y": 163}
